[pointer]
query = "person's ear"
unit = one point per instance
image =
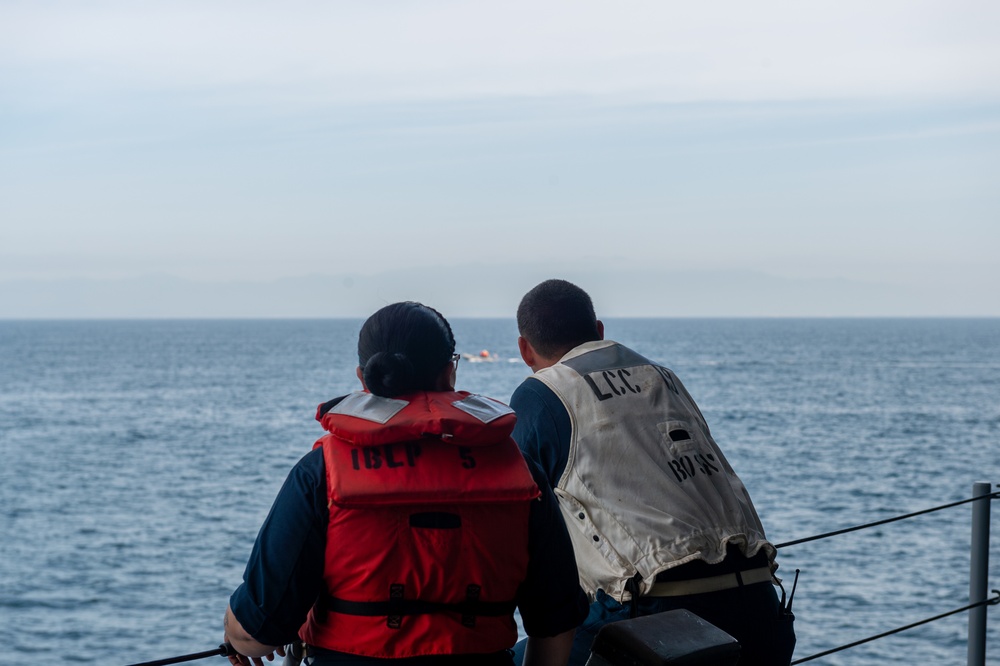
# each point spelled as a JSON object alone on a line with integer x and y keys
{"x": 600, "y": 329}
{"x": 528, "y": 354}
{"x": 361, "y": 377}
{"x": 446, "y": 380}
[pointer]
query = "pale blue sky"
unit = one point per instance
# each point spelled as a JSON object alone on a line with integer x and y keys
{"x": 816, "y": 143}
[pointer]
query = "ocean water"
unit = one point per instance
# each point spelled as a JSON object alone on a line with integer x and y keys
{"x": 140, "y": 457}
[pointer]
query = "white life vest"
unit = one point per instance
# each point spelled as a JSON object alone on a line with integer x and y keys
{"x": 645, "y": 488}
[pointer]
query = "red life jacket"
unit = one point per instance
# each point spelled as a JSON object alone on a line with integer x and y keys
{"x": 428, "y": 537}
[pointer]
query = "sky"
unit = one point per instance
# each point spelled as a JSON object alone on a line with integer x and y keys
{"x": 251, "y": 159}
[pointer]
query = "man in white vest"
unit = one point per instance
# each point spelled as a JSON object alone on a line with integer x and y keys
{"x": 659, "y": 519}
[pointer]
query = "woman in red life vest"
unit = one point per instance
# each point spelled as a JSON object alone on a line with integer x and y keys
{"x": 413, "y": 529}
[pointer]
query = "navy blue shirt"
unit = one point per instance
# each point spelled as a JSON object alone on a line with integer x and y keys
{"x": 284, "y": 574}
{"x": 543, "y": 427}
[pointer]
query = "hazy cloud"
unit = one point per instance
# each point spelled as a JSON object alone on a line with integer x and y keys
{"x": 237, "y": 142}
{"x": 326, "y": 52}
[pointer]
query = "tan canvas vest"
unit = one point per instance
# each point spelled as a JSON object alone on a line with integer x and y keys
{"x": 646, "y": 488}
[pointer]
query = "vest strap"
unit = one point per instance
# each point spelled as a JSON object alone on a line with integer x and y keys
{"x": 394, "y": 614}
{"x": 471, "y": 605}
{"x": 683, "y": 588}
{"x": 396, "y": 608}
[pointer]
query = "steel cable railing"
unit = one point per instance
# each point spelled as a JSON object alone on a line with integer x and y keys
{"x": 846, "y": 530}
{"x": 992, "y": 601}
{"x": 225, "y": 649}
{"x": 989, "y": 602}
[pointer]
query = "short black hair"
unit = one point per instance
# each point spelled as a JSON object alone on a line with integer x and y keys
{"x": 403, "y": 348}
{"x": 555, "y": 317}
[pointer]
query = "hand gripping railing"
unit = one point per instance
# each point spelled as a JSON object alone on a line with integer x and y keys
{"x": 978, "y": 572}
{"x": 223, "y": 650}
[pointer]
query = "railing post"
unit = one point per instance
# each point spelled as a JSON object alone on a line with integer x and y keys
{"x": 979, "y": 560}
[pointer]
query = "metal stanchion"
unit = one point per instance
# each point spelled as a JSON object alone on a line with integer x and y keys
{"x": 979, "y": 560}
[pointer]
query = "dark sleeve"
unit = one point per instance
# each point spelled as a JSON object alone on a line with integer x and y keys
{"x": 285, "y": 570}
{"x": 543, "y": 427}
{"x": 550, "y": 599}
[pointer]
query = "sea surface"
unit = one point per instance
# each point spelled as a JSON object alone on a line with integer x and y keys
{"x": 138, "y": 459}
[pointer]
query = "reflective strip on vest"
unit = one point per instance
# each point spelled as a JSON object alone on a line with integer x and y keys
{"x": 369, "y": 407}
{"x": 482, "y": 408}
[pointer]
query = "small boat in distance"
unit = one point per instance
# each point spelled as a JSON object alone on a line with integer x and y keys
{"x": 485, "y": 356}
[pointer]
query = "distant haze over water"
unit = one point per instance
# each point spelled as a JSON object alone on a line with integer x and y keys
{"x": 489, "y": 291}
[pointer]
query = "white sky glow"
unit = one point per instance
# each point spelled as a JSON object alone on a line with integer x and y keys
{"x": 668, "y": 51}
{"x": 229, "y": 141}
